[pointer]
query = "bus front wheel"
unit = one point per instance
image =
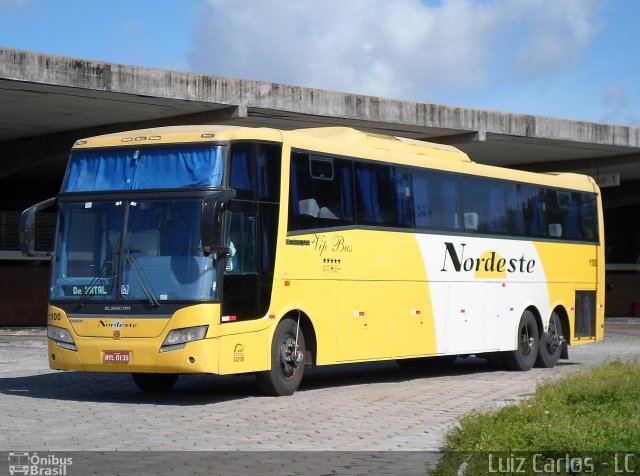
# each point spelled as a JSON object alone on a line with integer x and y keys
{"x": 551, "y": 343}
{"x": 526, "y": 353}
{"x": 287, "y": 363}
{"x": 154, "y": 382}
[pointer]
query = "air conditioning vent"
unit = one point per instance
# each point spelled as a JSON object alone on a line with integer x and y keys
{"x": 585, "y": 315}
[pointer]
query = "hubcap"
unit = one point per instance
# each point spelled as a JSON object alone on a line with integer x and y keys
{"x": 554, "y": 339}
{"x": 288, "y": 362}
{"x": 526, "y": 340}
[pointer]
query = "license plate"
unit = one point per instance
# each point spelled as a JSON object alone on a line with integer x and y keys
{"x": 116, "y": 356}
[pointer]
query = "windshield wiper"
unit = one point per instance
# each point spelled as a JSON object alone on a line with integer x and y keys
{"x": 107, "y": 266}
{"x": 144, "y": 284}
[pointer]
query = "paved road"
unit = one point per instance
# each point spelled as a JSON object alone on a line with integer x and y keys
{"x": 364, "y": 407}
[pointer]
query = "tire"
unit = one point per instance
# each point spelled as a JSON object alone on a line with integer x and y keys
{"x": 551, "y": 343}
{"x": 155, "y": 382}
{"x": 286, "y": 370}
{"x": 526, "y": 353}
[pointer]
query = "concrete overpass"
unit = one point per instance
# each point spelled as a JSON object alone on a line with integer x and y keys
{"x": 47, "y": 102}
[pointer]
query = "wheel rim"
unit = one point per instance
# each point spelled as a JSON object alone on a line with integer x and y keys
{"x": 288, "y": 364}
{"x": 554, "y": 338}
{"x": 527, "y": 340}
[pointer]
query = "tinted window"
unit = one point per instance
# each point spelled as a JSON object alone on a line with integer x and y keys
{"x": 255, "y": 171}
{"x": 324, "y": 190}
{"x": 383, "y": 195}
{"x": 435, "y": 200}
{"x": 324, "y": 199}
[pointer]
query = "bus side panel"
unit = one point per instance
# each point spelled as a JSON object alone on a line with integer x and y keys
{"x": 571, "y": 268}
{"x": 246, "y": 352}
{"x": 364, "y": 320}
{"x": 480, "y": 287}
{"x": 414, "y": 326}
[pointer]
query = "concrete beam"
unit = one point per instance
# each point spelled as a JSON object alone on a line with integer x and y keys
{"x": 583, "y": 164}
{"x": 34, "y": 151}
{"x": 464, "y": 138}
{"x": 93, "y": 75}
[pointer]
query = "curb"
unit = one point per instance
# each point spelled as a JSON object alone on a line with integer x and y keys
{"x": 24, "y": 331}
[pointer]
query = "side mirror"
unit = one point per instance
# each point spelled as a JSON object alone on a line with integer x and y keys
{"x": 27, "y": 228}
{"x": 216, "y": 222}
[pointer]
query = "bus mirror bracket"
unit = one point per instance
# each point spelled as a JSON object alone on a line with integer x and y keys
{"x": 216, "y": 222}
{"x": 27, "y": 229}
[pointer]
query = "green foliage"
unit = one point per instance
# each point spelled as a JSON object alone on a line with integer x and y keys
{"x": 594, "y": 413}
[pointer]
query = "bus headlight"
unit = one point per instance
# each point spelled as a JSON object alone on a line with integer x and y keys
{"x": 178, "y": 338}
{"x": 62, "y": 337}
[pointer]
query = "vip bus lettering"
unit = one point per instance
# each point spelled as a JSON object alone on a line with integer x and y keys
{"x": 491, "y": 263}
{"x": 340, "y": 246}
{"x": 319, "y": 243}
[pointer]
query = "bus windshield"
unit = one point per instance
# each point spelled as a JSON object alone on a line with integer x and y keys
{"x": 131, "y": 250}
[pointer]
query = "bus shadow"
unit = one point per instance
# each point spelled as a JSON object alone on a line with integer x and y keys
{"x": 120, "y": 388}
{"x": 388, "y": 372}
{"x": 211, "y": 389}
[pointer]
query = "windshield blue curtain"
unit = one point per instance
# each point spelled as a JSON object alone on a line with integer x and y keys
{"x": 368, "y": 186}
{"x": 148, "y": 168}
{"x": 420, "y": 189}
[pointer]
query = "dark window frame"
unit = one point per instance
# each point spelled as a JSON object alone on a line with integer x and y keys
{"x": 529, "y": 220}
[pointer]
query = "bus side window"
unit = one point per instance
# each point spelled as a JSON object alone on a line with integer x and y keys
{"x": 589, "y": 216}
{"x": 241, "y": 258}
{"x": 534, "y": 210}
{"x": 384, "y": 195}
{"x": 241, "y": 170}
{"x": 321, "y": 192}
{"x": 268, "y": 171}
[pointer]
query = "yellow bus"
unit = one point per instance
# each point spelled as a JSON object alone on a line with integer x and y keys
{"x": 232, "y": 250}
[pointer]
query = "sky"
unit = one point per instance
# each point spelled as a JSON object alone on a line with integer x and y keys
{"x": 574, "y": 59}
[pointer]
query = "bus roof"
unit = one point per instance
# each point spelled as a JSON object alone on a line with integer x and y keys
{"x": 339, "y": 141}
{"x": 354, "y": 137}
{"x": 173, "y": 134}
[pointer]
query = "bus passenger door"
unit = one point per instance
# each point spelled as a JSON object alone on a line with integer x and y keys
{"x": 240, "y": 294}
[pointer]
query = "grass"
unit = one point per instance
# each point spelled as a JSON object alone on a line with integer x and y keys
{"x": 586, "y": 415}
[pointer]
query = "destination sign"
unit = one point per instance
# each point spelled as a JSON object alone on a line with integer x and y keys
{"x": 86, "y": 290}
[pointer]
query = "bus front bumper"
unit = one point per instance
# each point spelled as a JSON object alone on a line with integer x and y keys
{"x": 243, "y": 348}
{"x": 142, "y": 355}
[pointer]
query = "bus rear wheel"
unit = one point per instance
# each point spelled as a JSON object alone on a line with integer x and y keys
{"x": 154, "y": 382}
{"x": 551, "y": 343}
{"x": 526, "y": 353}
{"x": 287, "y": 363}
